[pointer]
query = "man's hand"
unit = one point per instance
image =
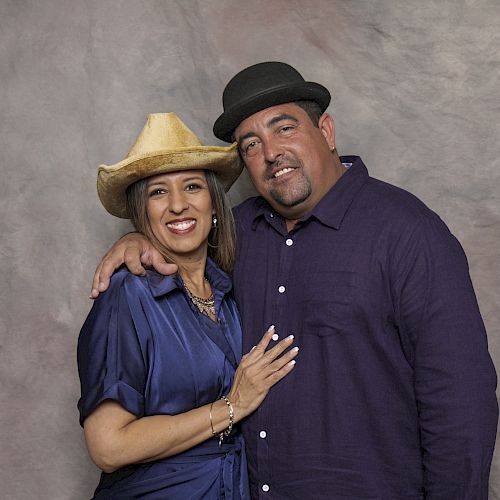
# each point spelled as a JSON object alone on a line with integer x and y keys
{"x": 135, "y": 251}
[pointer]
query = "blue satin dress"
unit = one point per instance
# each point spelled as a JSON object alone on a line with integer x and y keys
{"x": 146, "y": 346}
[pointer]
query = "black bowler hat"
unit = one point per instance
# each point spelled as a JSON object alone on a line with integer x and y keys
{"x": 261, "y": 86}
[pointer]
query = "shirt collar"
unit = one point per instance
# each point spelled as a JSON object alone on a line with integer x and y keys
{"x": 332, "y": 208}
{"x": 163, "y": 285}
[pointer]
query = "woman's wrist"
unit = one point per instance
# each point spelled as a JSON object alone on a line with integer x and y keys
{"x": 221, "y": 414}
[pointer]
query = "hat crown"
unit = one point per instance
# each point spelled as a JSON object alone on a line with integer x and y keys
{"x": 262, "y": 86}
{"x": 259, "y": 78}
{"x": 163, "y": 131}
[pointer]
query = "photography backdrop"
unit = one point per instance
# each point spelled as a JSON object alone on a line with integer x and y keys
{"x": 416, "y": 93}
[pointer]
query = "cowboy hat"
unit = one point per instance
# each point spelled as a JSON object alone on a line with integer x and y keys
{"x": 165, "y": 144}
{"x": 261, "y": 86}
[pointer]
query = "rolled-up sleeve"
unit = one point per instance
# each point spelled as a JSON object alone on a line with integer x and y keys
{"x": 111, "y": 364}
{"x": 455, "y": 379}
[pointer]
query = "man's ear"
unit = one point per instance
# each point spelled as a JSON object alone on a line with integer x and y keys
{"x": 327, "y": 127}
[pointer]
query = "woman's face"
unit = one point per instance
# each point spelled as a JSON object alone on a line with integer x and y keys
{"x": 179, "y": 209}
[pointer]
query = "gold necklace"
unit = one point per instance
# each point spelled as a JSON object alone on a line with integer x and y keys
{"x": 205, "y": 306}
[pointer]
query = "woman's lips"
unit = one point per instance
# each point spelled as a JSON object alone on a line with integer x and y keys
{"x": 181, "y": 226}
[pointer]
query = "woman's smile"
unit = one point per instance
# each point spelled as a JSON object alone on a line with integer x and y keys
{"x": 182, "y": 226}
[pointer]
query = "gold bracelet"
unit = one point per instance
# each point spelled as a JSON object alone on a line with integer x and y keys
{"x": 231, "y": 417}
{"x": 227, "y": 431}
{"x": 211, "y": 422}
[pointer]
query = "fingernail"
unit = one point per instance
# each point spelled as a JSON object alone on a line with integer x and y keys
{"x": 253, "y": 348}
{"x": 93, "y": 294}
{"x": 290, "y": 337}
{"x": 295, "y": 349}
{"x": 292, "y": 362}
{"x": 270, "y": 328}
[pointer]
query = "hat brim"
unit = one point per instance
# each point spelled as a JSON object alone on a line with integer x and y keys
{"x": 228, "y": 121}
{"x": 113, "y": 180}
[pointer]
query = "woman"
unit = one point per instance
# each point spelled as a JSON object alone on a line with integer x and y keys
{"x": 158, "y": 356}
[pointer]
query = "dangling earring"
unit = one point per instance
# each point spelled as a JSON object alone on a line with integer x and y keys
{"x": 213, "y": 233}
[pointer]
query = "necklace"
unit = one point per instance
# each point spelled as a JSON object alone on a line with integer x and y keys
{"x": 205, "y": 306}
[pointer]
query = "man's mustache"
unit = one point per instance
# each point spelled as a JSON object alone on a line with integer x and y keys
{"x": 282, "y": 162}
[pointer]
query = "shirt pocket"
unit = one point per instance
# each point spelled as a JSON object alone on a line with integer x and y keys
{"x": 327, "y": 306}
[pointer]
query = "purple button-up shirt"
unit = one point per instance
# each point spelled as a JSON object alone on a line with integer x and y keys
{"x": 393, "y": 394}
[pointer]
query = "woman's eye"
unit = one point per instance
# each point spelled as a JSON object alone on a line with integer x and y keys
{"x": 156, "y": 192}
{"x": 192, "y": 187}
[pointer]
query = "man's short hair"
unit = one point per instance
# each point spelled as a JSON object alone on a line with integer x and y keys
{"x": 312, "y": 108}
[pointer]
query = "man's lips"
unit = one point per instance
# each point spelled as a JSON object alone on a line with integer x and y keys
{"x": 282, "y": 171}
{"x": 181, "y": 226}
{"x": 283, "y": 166}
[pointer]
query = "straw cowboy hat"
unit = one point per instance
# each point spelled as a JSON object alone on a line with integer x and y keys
{"x": 164, "y": 145}
{"x": 261, "y": 86}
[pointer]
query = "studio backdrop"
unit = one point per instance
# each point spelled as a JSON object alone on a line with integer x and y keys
{"x": 415, "y": 91}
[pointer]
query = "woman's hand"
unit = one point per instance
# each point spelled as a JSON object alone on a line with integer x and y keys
{"x": 134, "y": 250}
{"x": 258, "y": 371}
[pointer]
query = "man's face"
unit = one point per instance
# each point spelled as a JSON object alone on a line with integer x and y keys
{"x": 288, "y": 158}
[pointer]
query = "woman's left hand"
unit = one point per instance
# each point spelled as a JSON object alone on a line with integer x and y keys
{"x": 258, "y": 371}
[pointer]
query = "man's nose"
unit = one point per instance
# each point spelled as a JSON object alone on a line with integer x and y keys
{"x": 272, "y": 150}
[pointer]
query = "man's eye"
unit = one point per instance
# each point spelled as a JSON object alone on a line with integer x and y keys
{"x": 250, "y": 146}
{"x": 286, "y": 128}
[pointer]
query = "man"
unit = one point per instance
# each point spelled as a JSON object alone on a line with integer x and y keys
{"x": 393, "y": 396}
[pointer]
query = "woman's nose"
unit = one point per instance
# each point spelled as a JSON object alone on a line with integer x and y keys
{"x": 178, "y": 202}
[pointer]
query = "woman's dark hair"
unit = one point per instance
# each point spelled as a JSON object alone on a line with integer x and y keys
{"x": 221, "y": 240}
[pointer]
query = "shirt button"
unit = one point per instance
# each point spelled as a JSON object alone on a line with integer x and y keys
{"x": 263, "y": 434}
{"x": 281, "y": 289}
{"x": 289, "y": 242}
{"x": 275, "y": 337}
{"x": 265, "y": 487}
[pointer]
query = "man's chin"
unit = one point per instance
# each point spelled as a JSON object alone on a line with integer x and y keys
{"x": 289, "y": 200}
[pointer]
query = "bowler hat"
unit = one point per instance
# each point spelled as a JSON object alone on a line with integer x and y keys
{"x": 165, "y": 145}
{"x": 261, "y": 86}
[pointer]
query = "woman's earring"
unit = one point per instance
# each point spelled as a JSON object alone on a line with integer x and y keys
{"x": 213, "y": 234}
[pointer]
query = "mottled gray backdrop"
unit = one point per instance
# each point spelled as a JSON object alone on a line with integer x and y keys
{"x": 416, "y": 93}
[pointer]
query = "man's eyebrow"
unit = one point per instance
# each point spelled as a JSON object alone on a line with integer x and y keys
{"x": 280, "y": 118}
{"x": 246, "y": 136}
{"x": 273, "y": 121}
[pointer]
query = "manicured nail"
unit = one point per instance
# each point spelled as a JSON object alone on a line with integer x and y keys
{"x": 295, "y": 349}
{"x": 290, "y": 337}
{"x": 253, "y": 348}
{"x": 292, "y": 363}
{"x": 270, "y": 328}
